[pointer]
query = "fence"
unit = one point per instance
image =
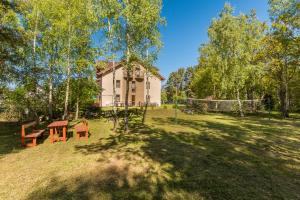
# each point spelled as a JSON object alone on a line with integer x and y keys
{"x": 207, "y": 105}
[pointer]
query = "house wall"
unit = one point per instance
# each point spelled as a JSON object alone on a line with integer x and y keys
{"x": 155, "y": 90}
{"x": 107, "y": 87}
{"x": 141, "y": 91}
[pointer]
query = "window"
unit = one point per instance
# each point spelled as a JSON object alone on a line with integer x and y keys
{"x": 138, "y": 72}
{"x": 148, "y": 98}
{"x": 118, "y": 84}
{"x": 133, "y": 86}
{"x": 148, "y": 85}
{"x": 118, "y": 98}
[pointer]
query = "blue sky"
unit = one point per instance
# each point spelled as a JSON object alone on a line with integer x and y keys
{"x": 187, "y": 24}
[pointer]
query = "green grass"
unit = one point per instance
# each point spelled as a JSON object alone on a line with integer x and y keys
{"x": 211, "y": 156}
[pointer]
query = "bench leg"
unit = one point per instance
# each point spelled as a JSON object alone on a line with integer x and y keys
{"x": 34, "y": 142}
{"x": 86, "y": 135}
{"x": 23, "y": 141}
{"x": 51, "y": 135}
{"x": 64, "y": 134}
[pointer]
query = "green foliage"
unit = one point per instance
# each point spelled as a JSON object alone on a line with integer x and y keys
{"x": 12, "y": 41}
{"x": 179, "y": 84}
{"x": 23, "y": 104}
{"x": 229, "y": 58}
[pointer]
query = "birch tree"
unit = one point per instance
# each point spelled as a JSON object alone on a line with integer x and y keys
{"x": 283, "y": 47}
{"x": 140, "y": 21}
{"x": 110, "y": 15}
{"x": 233, "y": 42}
{"x": 79, "y": 24}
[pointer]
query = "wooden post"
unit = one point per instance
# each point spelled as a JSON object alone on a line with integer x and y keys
{"x": 23, "y": 135}
{"x": 86, "y": 132}
{"x": 64, "y": 134}
{"x": 34, "y": 142}
{"x": 51, "y": 135}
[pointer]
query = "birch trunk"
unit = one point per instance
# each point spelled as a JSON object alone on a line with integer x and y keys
{"x": 115, "y": 117}
{"x": 127, "y": 89}
{"x": 34, "y": 38}
{"x": 50, "y": 106}
{"x": 147, "y": 97}
{"x": 148, "y": 92}
{"x": 34, "y": 44}
{"x": 68, "y": 70}
{"x": 77, "y": 108}
{"x": 114, "y": 98}
{"x": 239, "y": 103}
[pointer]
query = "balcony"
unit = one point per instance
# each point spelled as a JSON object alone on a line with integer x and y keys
{"x": 139, "y": 74}
{"x": 125, "y": 75}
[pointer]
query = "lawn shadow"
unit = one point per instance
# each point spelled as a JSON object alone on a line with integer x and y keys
{"x": 215, "y": 161}
{"x": 10, "y": 137}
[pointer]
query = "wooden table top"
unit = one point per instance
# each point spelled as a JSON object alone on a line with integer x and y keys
{"x": 58, "y": 124}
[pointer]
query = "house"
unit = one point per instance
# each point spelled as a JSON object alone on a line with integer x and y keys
{"x": 137, "y": 86}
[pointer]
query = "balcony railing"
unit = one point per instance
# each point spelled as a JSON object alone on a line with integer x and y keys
{"x": 126, "y": 75}
{"x": 137, "y": 74}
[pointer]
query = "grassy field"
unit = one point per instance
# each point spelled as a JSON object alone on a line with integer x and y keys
{"x": 211, "y": 156}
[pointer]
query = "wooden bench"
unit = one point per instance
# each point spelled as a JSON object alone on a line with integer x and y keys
{"x": 33, "y": 135}
{"x": 82, "y": 128}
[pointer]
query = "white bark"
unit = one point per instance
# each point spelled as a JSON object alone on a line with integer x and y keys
{"x": 50, "y": 92}
{"x": 77, "y": 108}
{"x": 68, "y": 70}
{"x": 240, "y": 103}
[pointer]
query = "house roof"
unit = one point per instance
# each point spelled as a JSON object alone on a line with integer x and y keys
{"x": 109, "y": 67}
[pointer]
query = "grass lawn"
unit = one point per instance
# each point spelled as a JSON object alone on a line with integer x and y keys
{"x": 211, "y": 156}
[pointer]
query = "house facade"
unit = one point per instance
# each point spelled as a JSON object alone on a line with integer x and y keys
{"x": 137, "y": 86}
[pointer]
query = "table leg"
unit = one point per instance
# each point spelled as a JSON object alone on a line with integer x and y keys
{"x": 51, "y": 135}
{"x": 64, "y": 134}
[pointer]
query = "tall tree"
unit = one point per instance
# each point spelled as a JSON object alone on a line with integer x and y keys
{"x": 12, "y": 39}
{"x": 231, "y": 52}
{"x": 110, "y": 15}
{"x": 283, "y": 47}
{"x": 78, "y": 24}
{"x": 140, "y": 20}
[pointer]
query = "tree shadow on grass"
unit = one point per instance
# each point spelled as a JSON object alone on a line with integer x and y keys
{"x": 216, "y": 161}
{"x": 10, "y": 137}
{"x": 10, "y": 141}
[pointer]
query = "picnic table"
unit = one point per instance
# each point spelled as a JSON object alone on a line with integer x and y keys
{"x": 54, "y": 129}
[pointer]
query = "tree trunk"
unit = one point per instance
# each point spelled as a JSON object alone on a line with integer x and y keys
{"x": 239, "y": 103}
{"x": 34, "y": 38}
{"x": 50, "y": 103}
{"x": 115, "y": 114}
{"x": 68, "y": 71}
{"x": 283, "y": 94}
{"x": 126, "y": 102}
{"x": 147, "y": 98}
{"x": 127, "y": 90}
{"x": 34, "y": 47}
{"x": 77, "y": 108}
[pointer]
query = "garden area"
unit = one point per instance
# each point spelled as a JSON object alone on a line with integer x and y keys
{"x": 140, "y": 99}
{"x": 200, "y": 156}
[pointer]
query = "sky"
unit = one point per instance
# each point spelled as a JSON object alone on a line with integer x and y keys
{"x": 186, "y": 29}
